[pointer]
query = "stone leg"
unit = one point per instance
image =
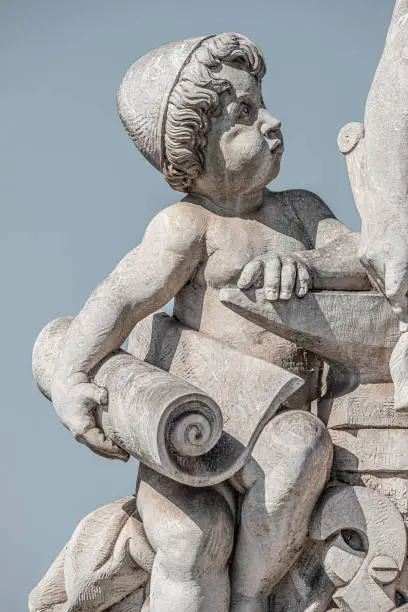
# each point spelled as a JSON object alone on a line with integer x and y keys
{"x": 132, "y": 603}
{"x": 191, "y": 531}
{"x": 293, "y": 456}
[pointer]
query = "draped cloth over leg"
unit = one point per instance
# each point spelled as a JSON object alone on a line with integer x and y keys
{"x": 98, "y": 567}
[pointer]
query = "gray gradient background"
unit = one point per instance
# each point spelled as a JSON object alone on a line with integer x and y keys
{"x": 76, "y": 196}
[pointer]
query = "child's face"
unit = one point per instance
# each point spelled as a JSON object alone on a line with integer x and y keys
{"x": 245, "y": 144}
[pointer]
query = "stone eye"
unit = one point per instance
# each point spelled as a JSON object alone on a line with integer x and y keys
{"x": 244, "y": 110}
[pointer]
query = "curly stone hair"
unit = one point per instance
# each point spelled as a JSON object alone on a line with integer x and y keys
{"x": 196, "y": 98}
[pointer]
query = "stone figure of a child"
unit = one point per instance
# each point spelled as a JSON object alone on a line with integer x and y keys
{"x": 195, "y": 110}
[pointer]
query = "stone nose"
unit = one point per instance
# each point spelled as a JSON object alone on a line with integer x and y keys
{"x": 270, "y": 126}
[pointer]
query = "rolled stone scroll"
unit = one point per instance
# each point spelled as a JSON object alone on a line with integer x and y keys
{"x": 164, "y": 420}
{"x": 151, "y": 414}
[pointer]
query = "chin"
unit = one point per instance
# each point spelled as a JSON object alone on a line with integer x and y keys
{"x": 248, "y": 182}
{"x": 275, "y": 168}
{"x": 270, "y": 173}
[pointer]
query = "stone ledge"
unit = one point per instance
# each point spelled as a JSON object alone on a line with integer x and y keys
{"x": 370, "y": 450}
{"x": 367, "y": 407}
{"x": 354, "y": 329}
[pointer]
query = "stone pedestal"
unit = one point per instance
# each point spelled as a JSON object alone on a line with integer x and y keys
{"x": 370, "y": 441}
{"x": 371, "y": 446}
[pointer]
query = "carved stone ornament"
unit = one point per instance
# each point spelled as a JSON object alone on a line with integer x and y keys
{"x": 269, "y": 413}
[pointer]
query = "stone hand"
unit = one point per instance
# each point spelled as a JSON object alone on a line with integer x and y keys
{"x": 75, "y": 400}
{"x": 387, "y": 264}
{"x": 282, "y": 276}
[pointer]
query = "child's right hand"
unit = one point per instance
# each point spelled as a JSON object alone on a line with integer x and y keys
{"x": 75, "y": 400}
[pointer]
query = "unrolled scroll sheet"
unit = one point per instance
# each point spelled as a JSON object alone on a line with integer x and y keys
{"x": 185, "y": 404}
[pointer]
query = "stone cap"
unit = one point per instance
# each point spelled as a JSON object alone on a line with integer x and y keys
{"x": 144, "y": 94}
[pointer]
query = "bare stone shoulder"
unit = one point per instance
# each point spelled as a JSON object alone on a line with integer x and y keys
{"x": 318, "y": 220}
{"x": 309, "y": 205}
{"x": 179, "y": 227}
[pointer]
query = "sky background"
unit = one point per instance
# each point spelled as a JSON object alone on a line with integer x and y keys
{"x": 76, "y": 196}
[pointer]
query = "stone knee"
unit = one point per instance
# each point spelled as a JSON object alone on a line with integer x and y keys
{"x": 191, "y": 530}
{"x": 294, "y": 448}
{"x": 293, "y": 460}
{"x": 305, "y": 440}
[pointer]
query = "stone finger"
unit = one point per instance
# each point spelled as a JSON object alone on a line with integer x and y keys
{"x": 96, "y": 440}
{"x": 288, "y": 279}
{"x": 93, "y": 394}
{"x": 302, "y": 279}
{"x": 250, "y": 274}
{"x": 396, "y": 287}
{"x": 272, "y": 278}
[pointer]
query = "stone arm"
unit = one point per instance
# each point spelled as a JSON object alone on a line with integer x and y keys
{"x": 146, "y": 279}
{"x": 336, "y": 266}
{"x": 384, "y": 247}
{"x": 330, "y": 262}
{"x": 333, "y": 261}
{"x": 377, "y": 161}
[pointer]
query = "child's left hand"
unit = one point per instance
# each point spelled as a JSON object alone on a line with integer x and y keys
{"x": 282, "y": 276}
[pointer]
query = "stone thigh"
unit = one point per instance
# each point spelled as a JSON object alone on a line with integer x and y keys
{"x": 293, "y": 460}
{"x": 191, "y": 531}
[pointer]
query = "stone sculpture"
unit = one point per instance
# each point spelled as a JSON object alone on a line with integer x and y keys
{"x": 277, "y": 353}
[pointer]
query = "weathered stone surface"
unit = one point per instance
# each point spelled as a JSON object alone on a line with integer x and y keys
{"x": 220, "y": 371}
{"x": 367, "y": 406}
{"x": 365, "y": 578}
{"x": 196, "y": 402}
{"x": 167, "y": 420}
{"x": 150, "y": 413}
{"x": 394, "y": 486}
{"x": 371, "y": 450}
{"x": 109, "y": 542}
{"x": 352, "y": 329}
{"x": 378, "y": 167}
{"x": 353, "y": 563}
